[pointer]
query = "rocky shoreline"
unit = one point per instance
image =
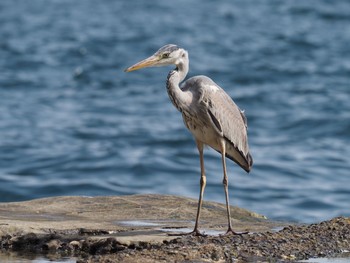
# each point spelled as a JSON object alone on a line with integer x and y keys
{"x": 51, "y": 230}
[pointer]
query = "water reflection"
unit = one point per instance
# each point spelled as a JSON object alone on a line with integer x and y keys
{"x": 13, "y": 257}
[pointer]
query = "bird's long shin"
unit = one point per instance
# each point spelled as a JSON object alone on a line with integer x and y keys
{"x": 225, "y": 183}
{"x": 203, "y": 182}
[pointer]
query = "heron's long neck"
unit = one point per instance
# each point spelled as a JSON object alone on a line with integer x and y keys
{"x": 178, "y": 97}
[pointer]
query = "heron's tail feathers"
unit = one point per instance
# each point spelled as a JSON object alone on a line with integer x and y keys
{"x": 245, "y": 162}
{"x": 249, "y": 159}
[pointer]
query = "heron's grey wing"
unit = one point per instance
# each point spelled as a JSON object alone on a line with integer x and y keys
{"x": 229, "y": 121}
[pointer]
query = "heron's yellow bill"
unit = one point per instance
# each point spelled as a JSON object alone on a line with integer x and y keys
{"x": 148, "y": 62}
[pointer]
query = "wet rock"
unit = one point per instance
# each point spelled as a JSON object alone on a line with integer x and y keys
{"x": 52, "y": 245}
{"x": 94, "y": 230}
{"x": 75, "y": 245}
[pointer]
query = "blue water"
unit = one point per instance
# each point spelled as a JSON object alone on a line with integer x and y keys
{"x": 73, "y": 123}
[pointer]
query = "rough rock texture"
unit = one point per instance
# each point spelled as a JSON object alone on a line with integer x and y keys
{"x": 134, "y": 229}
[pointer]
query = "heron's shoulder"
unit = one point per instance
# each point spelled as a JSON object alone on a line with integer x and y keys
{"x": 202, "y": 82}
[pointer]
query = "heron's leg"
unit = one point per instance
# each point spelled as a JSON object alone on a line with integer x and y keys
{"x": 225, "y": 182}
{"x": 203, "y": 182}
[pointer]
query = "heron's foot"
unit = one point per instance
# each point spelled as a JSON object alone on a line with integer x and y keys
{"x": 195, "y": 232}
{"x": 230, "y": 231}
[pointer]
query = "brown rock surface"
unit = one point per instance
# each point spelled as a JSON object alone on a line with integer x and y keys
{"x": 134, "y": 229}
{"x": 116, "y": 214}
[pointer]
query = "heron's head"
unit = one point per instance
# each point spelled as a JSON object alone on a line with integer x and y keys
{"x": 168, "y": 55}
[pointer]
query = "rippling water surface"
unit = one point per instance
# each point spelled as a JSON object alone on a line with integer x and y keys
{"x": 73, "y": 123}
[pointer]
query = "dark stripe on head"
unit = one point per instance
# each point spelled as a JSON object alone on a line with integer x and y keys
{"x": 169, "y": 47}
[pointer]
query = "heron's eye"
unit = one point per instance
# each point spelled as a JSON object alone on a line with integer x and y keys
{"x": 165, "y": 55}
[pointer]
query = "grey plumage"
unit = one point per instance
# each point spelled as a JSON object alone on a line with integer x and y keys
{"x": 208, "y": 112}
{"x": 216, "y": 110}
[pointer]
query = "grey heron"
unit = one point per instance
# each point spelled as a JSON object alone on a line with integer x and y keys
{"x": 208, "y": 112}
